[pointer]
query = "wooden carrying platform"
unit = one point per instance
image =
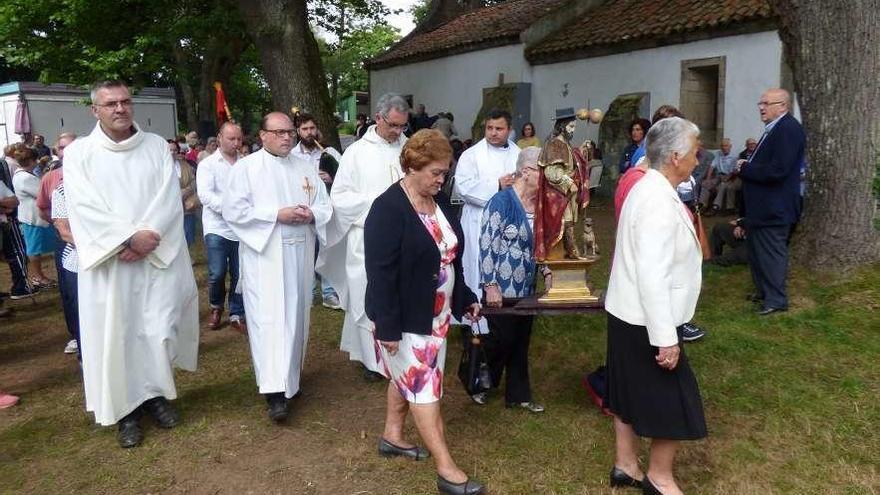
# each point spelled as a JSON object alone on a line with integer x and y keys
{"x": 533, "y": 306}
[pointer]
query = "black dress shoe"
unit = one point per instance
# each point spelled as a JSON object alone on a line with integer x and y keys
{"x": 162, "y": 411}
{"x": 130, "y": 433}
{"x": 770, "y": 311}
{"x": 373, "y": 377}
{"x": 620, "y": 479}
{"x": 754, "y": 297}
{"x": 469, "y": 487}
{"x": 388, "y": 449}
{"x": 277, "y": 407}
{"x": 648, "y": 488}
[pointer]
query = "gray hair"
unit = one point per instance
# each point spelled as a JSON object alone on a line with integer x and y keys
{"x": 668, "y": 136}
{"x": 527, "y": 157}
{"x": 113, "y": 83}
{"x": 391, "y": 100}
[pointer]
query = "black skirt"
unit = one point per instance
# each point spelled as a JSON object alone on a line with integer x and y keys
{"x": 657, "y": 402}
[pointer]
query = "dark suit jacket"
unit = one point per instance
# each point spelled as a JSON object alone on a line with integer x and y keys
{"x": 403, "y": 265}
{"x": 772, "y": 178}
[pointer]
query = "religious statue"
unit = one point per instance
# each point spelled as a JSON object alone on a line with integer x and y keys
{"x": 564, "y": 237}
{"x": 563, "y": 192}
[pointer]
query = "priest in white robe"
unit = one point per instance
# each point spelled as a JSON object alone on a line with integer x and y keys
{"x": 276, "y": 204}
{"x": 483, "y": 169}
{"x": 368, "y": 167}
{"x": 138, "y": 302}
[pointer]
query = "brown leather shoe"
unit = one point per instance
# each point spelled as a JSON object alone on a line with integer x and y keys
{"x": 214, "y": 319}
{"x": 239, "y": 325}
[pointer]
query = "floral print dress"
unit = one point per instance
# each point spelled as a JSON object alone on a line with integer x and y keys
{"x": 417, "y": 367}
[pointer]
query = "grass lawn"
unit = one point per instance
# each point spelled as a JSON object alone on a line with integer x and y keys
{"x": 791, "y": 403}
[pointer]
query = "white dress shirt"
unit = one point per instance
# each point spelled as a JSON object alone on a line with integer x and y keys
{"x": 211, "y": 178}
{"x": 313, "y": 156}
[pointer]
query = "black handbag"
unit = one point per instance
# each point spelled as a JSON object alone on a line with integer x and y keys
{"x": 473, "y": 369}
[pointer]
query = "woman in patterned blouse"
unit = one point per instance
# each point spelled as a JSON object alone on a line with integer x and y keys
{"x": 507, "y": 267}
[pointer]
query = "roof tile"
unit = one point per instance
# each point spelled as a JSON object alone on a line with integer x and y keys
{"x": 622, "y": 20}
{"x": 504, "y": 20}
{"x": 614, "y": 22}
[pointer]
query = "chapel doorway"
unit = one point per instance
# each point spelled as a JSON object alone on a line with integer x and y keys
{"x": 702, "y": 97}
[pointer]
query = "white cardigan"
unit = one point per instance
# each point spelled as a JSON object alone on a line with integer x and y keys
{"x": 27, "y": 186}
{"x": 656, "y": 272}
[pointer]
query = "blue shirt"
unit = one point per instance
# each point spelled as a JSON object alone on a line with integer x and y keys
{"x": 724, "y": 164}
{"x": 638, "y": 153}
{"x": 506, "y": 246}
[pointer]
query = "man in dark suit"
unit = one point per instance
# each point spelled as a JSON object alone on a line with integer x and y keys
{"x": 771, "y": 198}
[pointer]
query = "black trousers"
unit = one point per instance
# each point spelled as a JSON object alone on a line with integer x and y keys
{"x": 507, "y": 349}
{"x": 768, "y": 260}
{"x": 722, "y": 235}
{"x": 14, "y": 252}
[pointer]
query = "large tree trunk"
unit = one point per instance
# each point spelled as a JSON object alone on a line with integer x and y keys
{"x": 291, "y": 60}
{"x": 181, "y": 66}
{"x": 221, "y": 57}
{"x": 834, "y": 50}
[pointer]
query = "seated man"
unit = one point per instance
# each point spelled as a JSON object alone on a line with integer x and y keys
{"x": 720, "y": 181}
{"x": 733, "y": 235}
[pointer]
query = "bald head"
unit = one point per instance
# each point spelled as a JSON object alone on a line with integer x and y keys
{"x": 229, "y": 139}
{"x": 276, "y": 132}
{"x": 773, "y": 103}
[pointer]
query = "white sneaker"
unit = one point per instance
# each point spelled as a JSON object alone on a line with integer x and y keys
{"x": 332, "y": 302}
{"x": 71, "y": 347}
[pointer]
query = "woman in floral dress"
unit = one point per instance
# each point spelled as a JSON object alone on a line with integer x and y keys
{"x": 412, "y": 245}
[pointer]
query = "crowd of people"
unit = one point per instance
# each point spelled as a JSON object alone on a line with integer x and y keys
{"x": 381, "y": 231}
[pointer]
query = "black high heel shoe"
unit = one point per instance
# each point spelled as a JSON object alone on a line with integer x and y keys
{"x": 648, "y": 488}
{"x": 388, "y": 449}
{"x": 469, "y": 487}
{"x": 618, "y": 479}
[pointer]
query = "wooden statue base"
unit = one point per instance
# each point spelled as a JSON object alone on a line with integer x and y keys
{"x": 570, "y": 282}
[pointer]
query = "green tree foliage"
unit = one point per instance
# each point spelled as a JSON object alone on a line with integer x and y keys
{"x": 419, "y": 11}
{"x": 344, "y": 60}
{"x": 79, "y": 40}
{"x": 187, "y": 44}
{"x": 355, "y": 30}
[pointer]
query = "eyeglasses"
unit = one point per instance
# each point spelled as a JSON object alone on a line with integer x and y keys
{"x": 400, "y": 127}
{"x": 113, "y": 104}
{"x": 768, "y": 103}
{"x": 280, "y": 133}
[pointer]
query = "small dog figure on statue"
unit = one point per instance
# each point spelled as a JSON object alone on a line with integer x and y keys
{"x": 591, "y": 247}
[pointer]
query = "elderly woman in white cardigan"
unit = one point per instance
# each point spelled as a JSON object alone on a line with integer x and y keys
{"x": 654, "y": 286}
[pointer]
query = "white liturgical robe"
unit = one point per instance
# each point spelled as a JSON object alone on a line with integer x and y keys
{"x": 138, "y": 319}
{"x": 476, "y": 180}
{"x": 277, "y": 260}
{"x": 368, "y": 167}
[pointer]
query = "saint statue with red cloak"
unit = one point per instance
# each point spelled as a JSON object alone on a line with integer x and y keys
{"x": 563, "y": 193}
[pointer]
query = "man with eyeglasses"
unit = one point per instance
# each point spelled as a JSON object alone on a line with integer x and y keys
{"x": 277, "y": 206}
{"x": 368, "y": 167}
{"x": 771, "y": 198}
{"x": 138, "y": 303}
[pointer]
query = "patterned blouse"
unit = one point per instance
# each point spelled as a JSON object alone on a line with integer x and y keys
{"x": 506, "y": 246}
